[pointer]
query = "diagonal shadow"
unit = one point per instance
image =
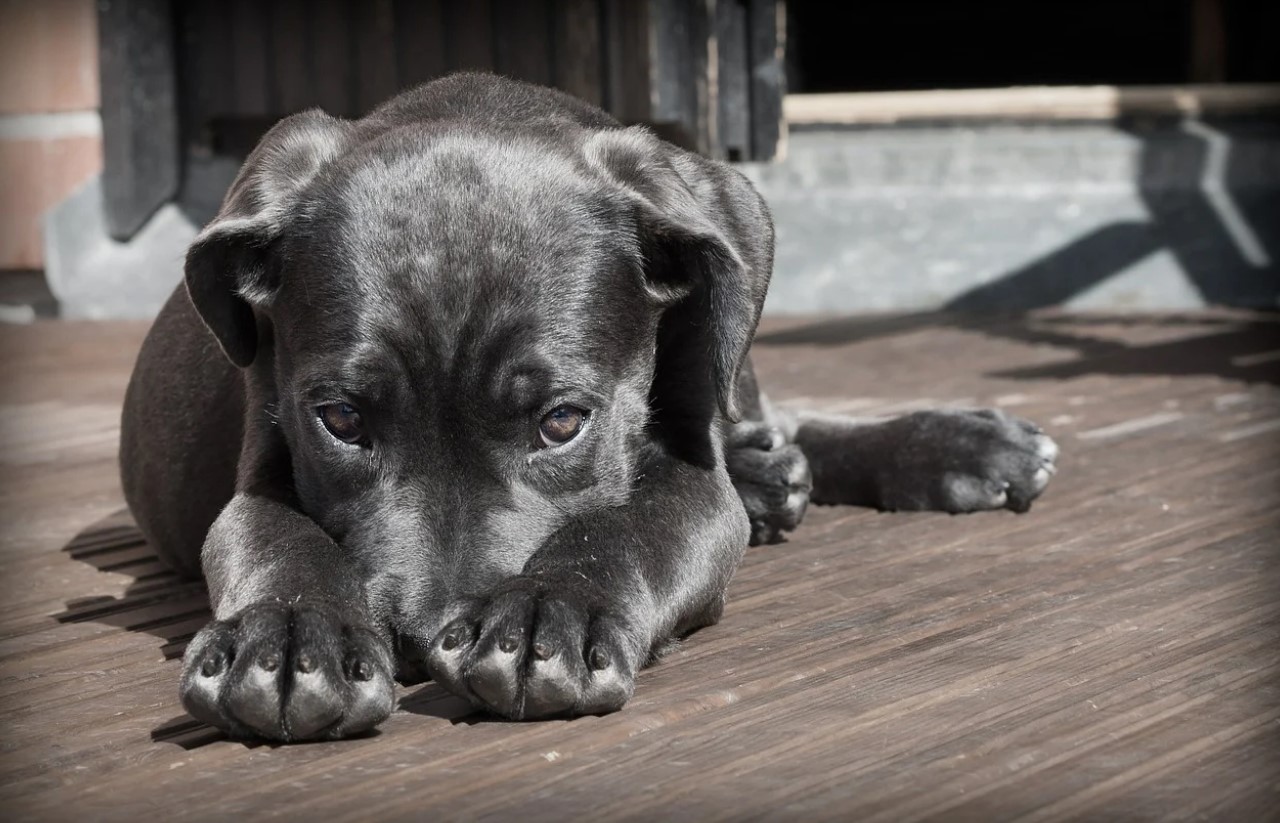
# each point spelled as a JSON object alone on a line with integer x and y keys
{"x": 156, "y": 602}
{"x": 171, "y": 608}
{"x": 1240, "y": 348}
{"x": 1229, "y": 254}
{"x": 1247, "y": 353}
{"x": 1055, "y": 278}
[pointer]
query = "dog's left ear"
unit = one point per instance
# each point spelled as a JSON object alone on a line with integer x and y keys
{"x": 707, "y": 242}
{"x": 231, "y": 267}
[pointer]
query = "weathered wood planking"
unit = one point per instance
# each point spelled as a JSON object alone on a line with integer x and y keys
{"x": 419, "y": 46}
{"x": 679, "y": 66}
{"x": 141, "y": 167}
{"x": 733, "y": 73}
{"x": 1112, "y": 655}
{"x": 577, "y": 49}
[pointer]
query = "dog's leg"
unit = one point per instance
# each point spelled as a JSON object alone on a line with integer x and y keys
{"x": 568, "y": 635}
{"x": 943, "y": 460}
{"x": 292, "y": 653}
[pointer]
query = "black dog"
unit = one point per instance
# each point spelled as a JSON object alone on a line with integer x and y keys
{"x": 463, "y": 404}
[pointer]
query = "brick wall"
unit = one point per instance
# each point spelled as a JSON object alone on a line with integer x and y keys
{"x": 50, "y": 132}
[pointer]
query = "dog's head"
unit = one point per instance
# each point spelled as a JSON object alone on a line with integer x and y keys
{"x": 471, "y": 336}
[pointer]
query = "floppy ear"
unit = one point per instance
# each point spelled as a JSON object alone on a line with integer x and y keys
{"x": 707, "y": 242}
{"x": 231, "y": 266}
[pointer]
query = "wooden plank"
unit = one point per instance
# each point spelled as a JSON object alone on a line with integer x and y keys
{"x": 522, "y": 39}
{"x": 1110, "y": 655}
{"x": 250, "y": 68}
{"x": 733, "y": 86}
{"x": 680, "y": 91}
{"x": 469, "y": 44}
{"x": 293, "y": 84}
{"x": 766, "y": 22}
{"x": 140, "y": 163}
{"x": 627, "y": 88}
{"x": 577, "y": 49}
{"x": 204, "y": 30}
{"x": 331, "y": 32}
{"x": 702, "y": 26}
{"x": 420, "y": 36}
{"x": 1208, "y": 42}
{"x": 375, "y": 53}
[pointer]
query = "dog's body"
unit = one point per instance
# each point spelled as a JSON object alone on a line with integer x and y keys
{"x": 450, "y": 391}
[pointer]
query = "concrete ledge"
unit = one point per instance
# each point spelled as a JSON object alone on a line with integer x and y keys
{"x": 94, "y": 276}
{"x": 1009, "y": 217}
{"x": 989, "y": 217}
{"x": 1040, "y": 103}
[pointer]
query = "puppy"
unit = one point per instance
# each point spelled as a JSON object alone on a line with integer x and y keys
{"x": 460, "y": 390}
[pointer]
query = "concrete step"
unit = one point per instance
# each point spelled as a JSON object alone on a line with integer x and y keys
{"x": 1006, "y": 216}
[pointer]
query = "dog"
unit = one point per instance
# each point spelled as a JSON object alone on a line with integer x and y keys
{"x": 460, "y": 390}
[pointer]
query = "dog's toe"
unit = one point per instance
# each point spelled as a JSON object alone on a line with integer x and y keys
{"x": 535, "y": 650}
{"x": 1046, "y": 449}
{"x": 287, "y": 673}
{"x": 973, "y": 460}
{"x": 772, "y": 479}
{"x": 557, "y": 670}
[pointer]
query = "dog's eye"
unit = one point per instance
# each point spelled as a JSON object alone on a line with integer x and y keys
{"x": 343, "y": 421}
{"x": 560, "y": 425}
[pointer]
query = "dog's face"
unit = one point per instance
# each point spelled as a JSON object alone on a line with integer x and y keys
{"x": 473, "y": 340}
{"x": 465, "y": 363}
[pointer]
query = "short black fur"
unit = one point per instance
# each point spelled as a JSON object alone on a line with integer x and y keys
{"x": 469, "y": 257}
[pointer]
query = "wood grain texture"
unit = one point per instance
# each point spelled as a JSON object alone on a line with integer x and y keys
{"x": 419, "y": 34}
{"x": 1112, "y": 655}
{"x": 522, "y": 34}
{"x": 469, "y": 35}
{"x": 577, "y": 49}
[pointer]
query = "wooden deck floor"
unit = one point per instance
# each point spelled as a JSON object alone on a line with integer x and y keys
{"x": 1113, "y": 655}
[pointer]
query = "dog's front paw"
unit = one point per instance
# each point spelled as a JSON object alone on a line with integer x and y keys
{"x": 970, "y": 460}
{"x": 538, "y": 648}
{"x": 771, "y": 477}
{"x": 288, "y": 673}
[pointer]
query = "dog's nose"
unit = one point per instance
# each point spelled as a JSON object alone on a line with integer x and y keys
{"x": 411, "y": 658}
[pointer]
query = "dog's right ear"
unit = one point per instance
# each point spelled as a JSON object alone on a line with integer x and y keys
{"x": 231, "y": 267}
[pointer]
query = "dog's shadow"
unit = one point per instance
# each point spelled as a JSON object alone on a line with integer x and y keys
{"x": 172, "y": 609}
{"x": 155, "y": 601}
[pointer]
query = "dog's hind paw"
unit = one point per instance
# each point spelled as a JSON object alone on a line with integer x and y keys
{"x": 287, "y": 673}
{"x": 538, "y": 648}
{"x": 771, "y": 477}
{"x": 969, "y": 460}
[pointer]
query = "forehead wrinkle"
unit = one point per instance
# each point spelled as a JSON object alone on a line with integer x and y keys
{"x": 450, "y": 241}
{"x": 464, "y": 184}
